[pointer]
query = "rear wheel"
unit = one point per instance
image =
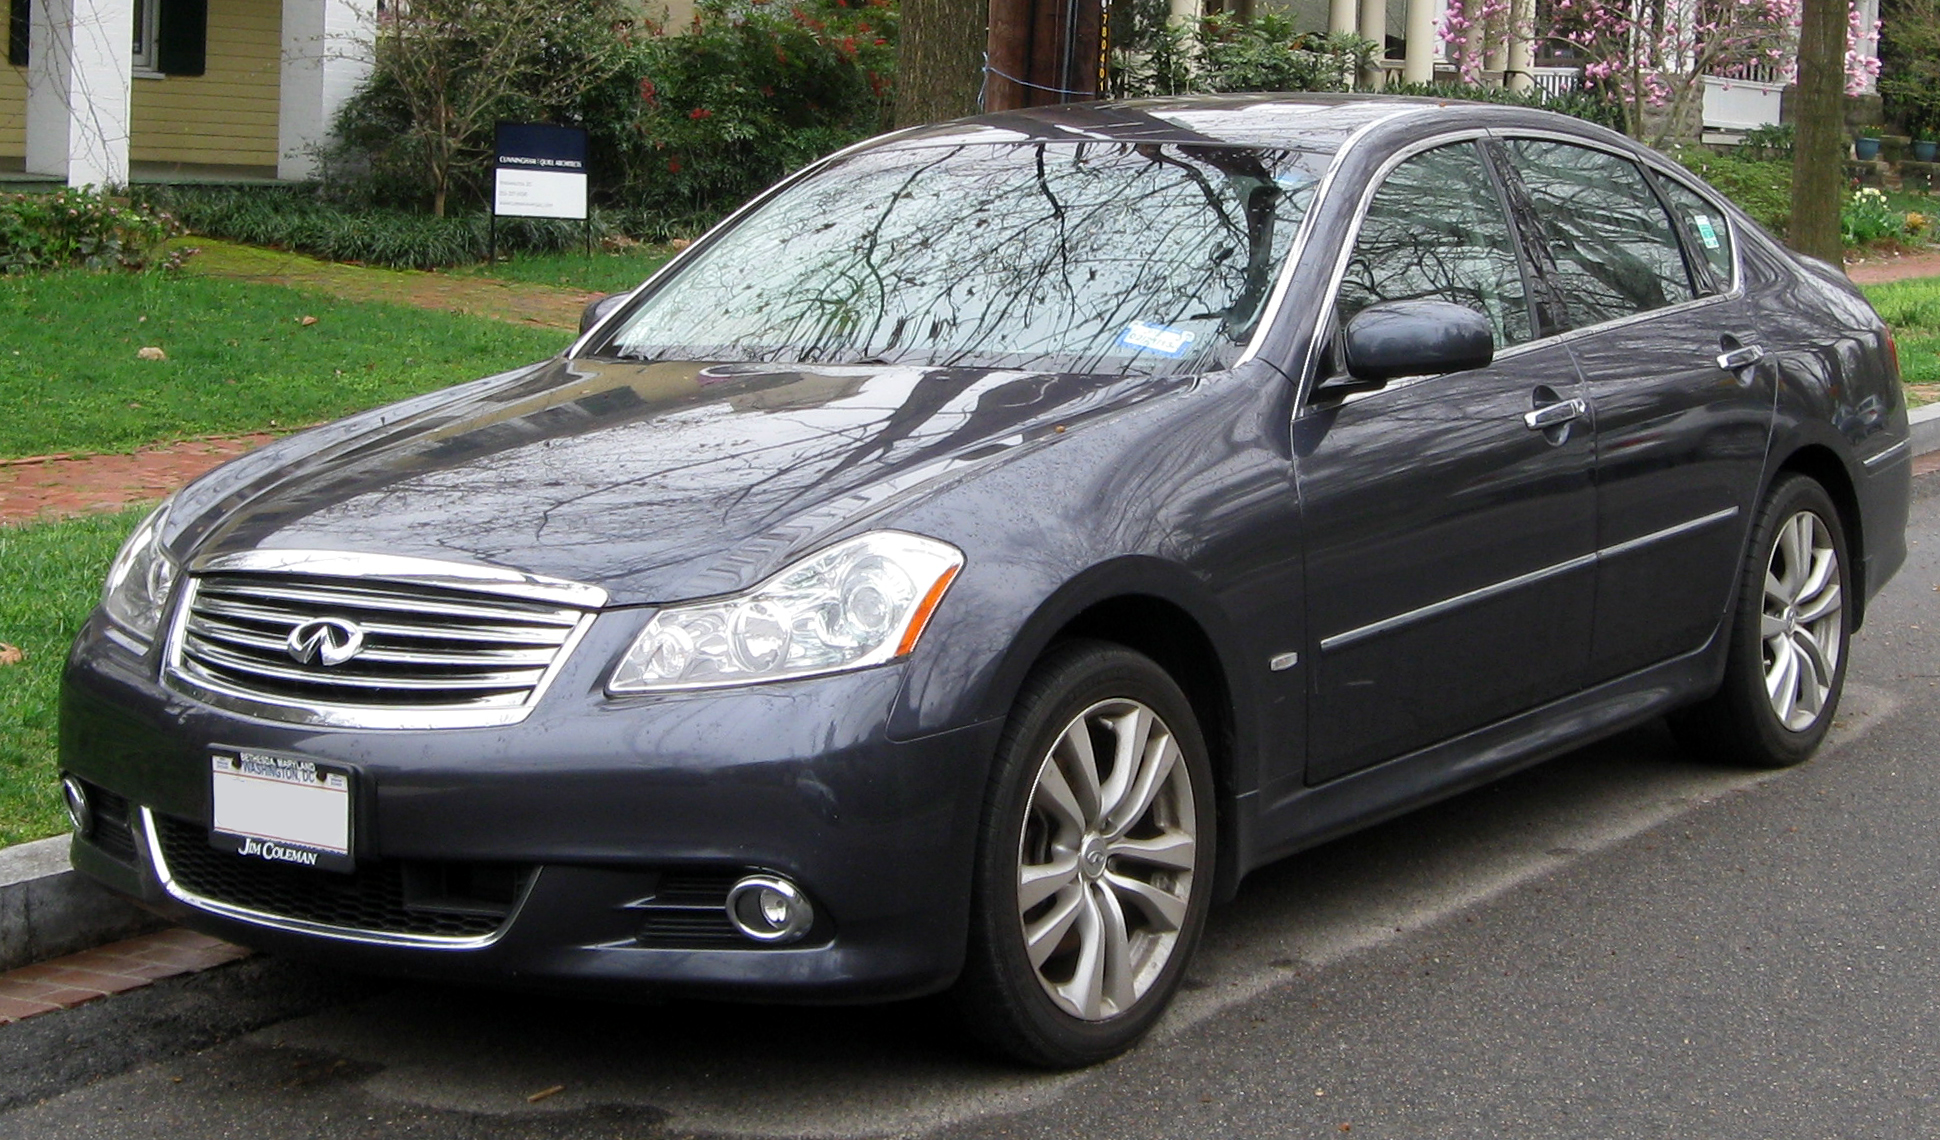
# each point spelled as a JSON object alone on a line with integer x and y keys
{"x": 1095, "y": 863}
{"x": 1787, "y": 664}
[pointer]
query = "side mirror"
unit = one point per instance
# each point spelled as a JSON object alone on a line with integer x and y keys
{"x": 1416, "y": 338}
{"x": 597, "y": 308}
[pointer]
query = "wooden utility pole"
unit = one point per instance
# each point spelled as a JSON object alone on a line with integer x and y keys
{"x": 1043, "y": 51}
{"x": 939, "y": 66}
{"x": 1818, "y": 158}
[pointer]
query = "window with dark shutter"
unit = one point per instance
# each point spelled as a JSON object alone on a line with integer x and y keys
{"x": 17, "y": 25}
{"x": 182, "y": 37}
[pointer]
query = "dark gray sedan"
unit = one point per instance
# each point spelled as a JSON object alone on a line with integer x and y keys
{"x": 966, "y": 563}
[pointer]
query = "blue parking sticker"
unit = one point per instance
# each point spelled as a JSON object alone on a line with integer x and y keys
{"x": 1705, "y": 233}
{"x": 1161, "y": 339}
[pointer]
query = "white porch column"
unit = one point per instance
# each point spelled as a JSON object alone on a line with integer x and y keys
{"x": 326, "y": 54}
{"x": 1418, "y": 64}
{"x": 81, "y": 55}
{"x": 1865, "y": 45}
{"x": 1522, "y": 54}
{"x": 1340, "y": 16}
{"x": 1374, "y": 26}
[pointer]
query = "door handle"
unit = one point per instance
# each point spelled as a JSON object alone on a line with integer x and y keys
{"x": 1551, "y": 415}
{"x": 1741, "y": 357}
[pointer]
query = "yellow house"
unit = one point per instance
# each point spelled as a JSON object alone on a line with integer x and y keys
{"x": 219, "y": 88}
{"x": 106, "y": 92}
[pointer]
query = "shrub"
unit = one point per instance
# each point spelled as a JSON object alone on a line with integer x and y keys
{"x": 1772, "y": 142}
{"x": 78, "y": 227}
{"x": 1153, "y": 55}
{"x": 699, "y": 122}
{"x": 682, "y": 127}
{"x": 304, "y": 220}
{"x": 1867, "y": 217}
{"x": 1583, "y": 103}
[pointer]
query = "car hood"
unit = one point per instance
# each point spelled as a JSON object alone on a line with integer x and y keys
{"x": 657, "y": 482}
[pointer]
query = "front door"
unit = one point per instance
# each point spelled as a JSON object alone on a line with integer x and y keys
{"x": 1450, "y": 544}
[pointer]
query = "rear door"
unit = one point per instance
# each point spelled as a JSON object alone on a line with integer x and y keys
{"x": 1643, "y": 273}
{"x": 1449, "y": 544}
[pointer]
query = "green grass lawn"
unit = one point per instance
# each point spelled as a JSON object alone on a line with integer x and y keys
{"x": 50, "y": 576}
{"x": 1912, "y": 308}
{"x": 604, "y": 272}
{"x": 239, "y": 357}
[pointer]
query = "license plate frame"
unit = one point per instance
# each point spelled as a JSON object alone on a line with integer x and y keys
{"x": 293, "y": 810}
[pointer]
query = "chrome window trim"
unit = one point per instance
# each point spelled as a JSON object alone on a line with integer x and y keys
{"x": 1493, "y": 589}
{"x": 1735, "y": 292}
{"x": 384, "y": 568}
{"x": 186, "y": 897}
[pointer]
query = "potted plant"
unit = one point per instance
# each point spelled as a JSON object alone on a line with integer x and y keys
{"x": 1924, "y": 149}
{"x": 1866, "y": 147}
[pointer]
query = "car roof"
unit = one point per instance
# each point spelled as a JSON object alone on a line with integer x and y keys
{"x": 1307, "y": 121}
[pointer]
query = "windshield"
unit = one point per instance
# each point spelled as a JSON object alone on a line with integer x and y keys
{"x": 1071, "y": 257}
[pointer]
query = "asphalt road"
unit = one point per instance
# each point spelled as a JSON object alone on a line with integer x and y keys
{"x": 1620, "y": 943}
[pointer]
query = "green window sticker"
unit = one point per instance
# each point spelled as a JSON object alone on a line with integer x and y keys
{"x": 1705, "y": 233}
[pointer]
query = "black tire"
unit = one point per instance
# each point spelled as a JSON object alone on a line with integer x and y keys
{"x": 1741, "y": 724}
{"x": 1005, "y": 999}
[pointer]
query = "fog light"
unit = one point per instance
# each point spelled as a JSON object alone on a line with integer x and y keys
{"x": 80, "y": 813}
{"x": 768, "y": 908}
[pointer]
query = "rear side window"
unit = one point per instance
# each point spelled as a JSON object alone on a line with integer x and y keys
{"x": 1614, "y": 251}
{"x": 1705, "y": 228}
{"x": 1436, "y": 230}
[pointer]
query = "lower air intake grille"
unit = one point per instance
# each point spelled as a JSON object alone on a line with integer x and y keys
{"x": 397, "y": 897}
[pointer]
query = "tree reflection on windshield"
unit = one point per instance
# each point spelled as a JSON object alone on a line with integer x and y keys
{"x": 1080, "y": 257}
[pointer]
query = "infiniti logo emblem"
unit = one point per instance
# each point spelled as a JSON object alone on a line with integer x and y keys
{"x": 331, "y": 641}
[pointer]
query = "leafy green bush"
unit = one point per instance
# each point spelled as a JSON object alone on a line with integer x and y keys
{"x": 302, "y": 219}
{"x": 1772, "y": 142}
{"x": 1761, "y": 189}
{"x": 78, "y": 227}
{"x": 683, "y": 127}
{"x": 1155, "y": 55}
{"x": 1867, "y": 217}
{"x": 1586, "y": 104}
{"x": 699, "y": 122}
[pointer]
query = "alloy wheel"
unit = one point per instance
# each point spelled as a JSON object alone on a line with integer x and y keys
{"x": 1801, "y": 623}
{"x": 1105, "y": 862}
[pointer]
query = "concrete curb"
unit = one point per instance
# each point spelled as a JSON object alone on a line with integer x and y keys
{"x": 1926, "y": 428}
{"x": 47, "y": 909}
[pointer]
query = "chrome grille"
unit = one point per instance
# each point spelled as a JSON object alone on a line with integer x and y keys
{"x": 433, "y": 654}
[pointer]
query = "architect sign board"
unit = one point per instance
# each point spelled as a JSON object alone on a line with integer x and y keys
{"x": 539, "y": 172}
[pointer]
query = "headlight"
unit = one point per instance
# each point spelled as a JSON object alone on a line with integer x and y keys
{"x": 859, "y": 603}
{"x": 139, "y": 579}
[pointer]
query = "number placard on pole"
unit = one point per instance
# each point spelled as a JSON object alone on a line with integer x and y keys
{"x": 539, "y": 172}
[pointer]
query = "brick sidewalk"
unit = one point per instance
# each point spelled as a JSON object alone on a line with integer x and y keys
{"x": 119, "y": 966}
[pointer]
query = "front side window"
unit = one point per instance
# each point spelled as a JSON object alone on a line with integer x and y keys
{"x": 1079, "y": 257}
{"x": 1609, "y": 239}
{"x": 1436, "y": 230}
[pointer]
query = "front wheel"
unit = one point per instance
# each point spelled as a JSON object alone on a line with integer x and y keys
{"x": 1787, "y": 662}
{"x": 1094, "y": 866}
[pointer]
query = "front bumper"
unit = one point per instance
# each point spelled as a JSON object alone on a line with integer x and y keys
{"x": 598, "y": 806}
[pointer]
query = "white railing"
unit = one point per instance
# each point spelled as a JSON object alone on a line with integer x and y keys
{"x": 1555, "y": 81}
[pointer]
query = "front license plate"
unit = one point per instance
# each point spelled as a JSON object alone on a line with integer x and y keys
{"x": 281, "y": 809}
